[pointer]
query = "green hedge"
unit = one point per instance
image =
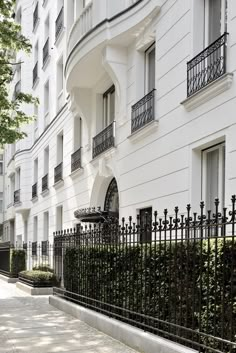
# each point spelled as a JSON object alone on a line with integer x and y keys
{"x": 17, "y": 262}
{"x": 187, "y": 283}
{"x": 38, "y": 276}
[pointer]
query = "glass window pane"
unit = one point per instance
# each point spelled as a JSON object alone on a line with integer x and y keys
{"x": 112, "y": 107}
{"x": 212, "y": 182}
{"x": 151, "y": 70}
{"x": 214, "y": 20}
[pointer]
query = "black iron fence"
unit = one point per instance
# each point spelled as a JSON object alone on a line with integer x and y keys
{"x": 45, "y": 51}
{"x": 76, "y": 160}
{"x": 104, "y": 140}
{"x": 38, "y": 254}
{"x": 59, "y": 23}
{"x": 143, "y": 112}
{"x": 207, "y": 66}
{"x": 58, "y": 173}
{"x": 5, "y": 250}
{"x": 180, "y": 284}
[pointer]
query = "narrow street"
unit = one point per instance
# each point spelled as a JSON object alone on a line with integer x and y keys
{"x": 30, "y": 324}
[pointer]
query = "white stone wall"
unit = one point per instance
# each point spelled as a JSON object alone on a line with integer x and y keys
{"x": 160, "y": 169}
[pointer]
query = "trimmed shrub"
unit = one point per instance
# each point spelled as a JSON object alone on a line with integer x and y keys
{"x": 17, "y": 262}
{"x": 186, "y": 283}
{"x": 38, "y": 277}
{"x": 44, "y": 268}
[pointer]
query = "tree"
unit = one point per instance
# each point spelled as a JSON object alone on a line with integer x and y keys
{"x": 11, "y": 42}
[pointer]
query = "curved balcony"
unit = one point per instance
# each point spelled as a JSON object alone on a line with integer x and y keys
{"x": 90, "y": 34}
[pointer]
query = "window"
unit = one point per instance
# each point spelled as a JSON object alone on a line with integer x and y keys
{"x": 35, "y": 229}
{"x": 150, "y": 55}
{"x": 77, "y": 133}
{"x": 60, "y": 84}
{"x": 1, "y": 206}
{"x": 213, "y": 175}
{"x": 18, "y": 176}
{"x": 25, "y": 231}
{"x": 215, "y": 19}
{"x": 1, "y": 165}
{"x": 46, "y": 160}
{"x": 60, "y": 148}
{"x": 145, "y": 224}
{"x": 36, "y": 170}
{"x": 109, "y": 106}
{"x": 46, "y": 104}
{"x": 59, "y": 217}
{"x": 35, "y": 122}
{"x": 45, "y": 225}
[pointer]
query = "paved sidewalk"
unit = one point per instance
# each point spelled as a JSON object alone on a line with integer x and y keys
{"x": 30, "y": 325}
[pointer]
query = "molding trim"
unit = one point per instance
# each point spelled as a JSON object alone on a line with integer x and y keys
{"x": 59, "y": 184}
{"x": 77, "y": 173}
{"x": 146, "y": 130}
{"x": 220, "y": 85}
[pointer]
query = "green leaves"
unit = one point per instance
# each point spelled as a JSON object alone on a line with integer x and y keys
{"x": 12, "y": 117}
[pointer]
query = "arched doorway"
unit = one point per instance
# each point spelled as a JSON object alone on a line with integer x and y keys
{"x": 111, "y": 204}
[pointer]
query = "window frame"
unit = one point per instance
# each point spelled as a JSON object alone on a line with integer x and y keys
{"x": 221, "y": 173}
{"x": 106, "y": 112}
{"x": 223, "y": 24}
{"x": 147, "y": 68}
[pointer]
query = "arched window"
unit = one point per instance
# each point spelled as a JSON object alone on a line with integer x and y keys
{"x": 112, "y": 198}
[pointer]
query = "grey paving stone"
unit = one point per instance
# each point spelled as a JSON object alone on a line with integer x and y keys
{"x": 31, "y": 325}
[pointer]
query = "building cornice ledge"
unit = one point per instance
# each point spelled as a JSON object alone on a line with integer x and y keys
{"x": 220, "y": 85}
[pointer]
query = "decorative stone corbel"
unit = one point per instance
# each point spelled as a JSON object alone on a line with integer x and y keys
{"x": 114, "y": 60}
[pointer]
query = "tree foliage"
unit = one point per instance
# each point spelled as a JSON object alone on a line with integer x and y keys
{"x": 11, "y": 41}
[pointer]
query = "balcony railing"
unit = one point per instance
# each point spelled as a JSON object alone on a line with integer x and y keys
{"x": 76, "y": 160}
{"x": 143, "y": 112}
{"x": 35, "y": 190}
{"x": 34, "y": 248}
{"x": 35, "y": 16}
{"x": 207, "y": 66}
{"x": 45, "y": 248}
{"x": 35, "y": 73}
{"x": 58, "y": 172}
{"x": 45, "y": 183}
{"x": 104, "y": 140}
{"x": 16, "y": 196}
{"x": 82, "y": 25}
{"x": 59, "y": 23}
{"x": 45, "y": 51}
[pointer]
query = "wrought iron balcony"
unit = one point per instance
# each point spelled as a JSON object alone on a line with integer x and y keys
{"x": 45, "y": 51}
{"x": 34, "y": 248}
{"x": 104, "y": 140}
{"x": 35, "y": 73}
{"x": 143, "y": 111}
{"x": 76, "y": 160}
{"x": 35, "y": 190}
{"x": 58, "y": 172}
{"x": 35, "y": 16}
{"x": 59, "y": 23}
{"x": 16, "y": 196}
{"x": 45, "y": 183}
{"x": 207, "y": 66}
{"x": 45, "y": 248}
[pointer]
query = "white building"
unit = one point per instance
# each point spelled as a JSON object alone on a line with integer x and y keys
{"x": 112, "y": 81}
